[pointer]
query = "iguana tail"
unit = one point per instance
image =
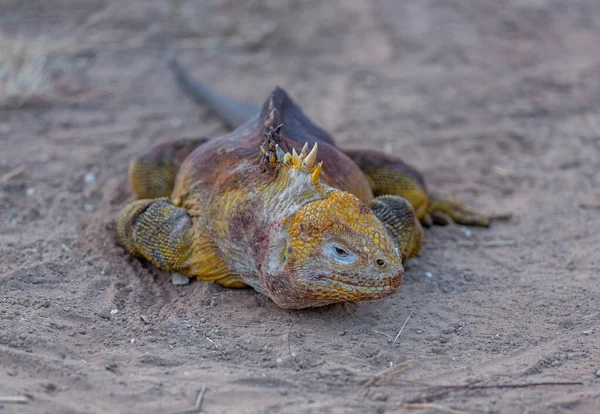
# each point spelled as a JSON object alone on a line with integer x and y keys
{"x": 233, "y": 113}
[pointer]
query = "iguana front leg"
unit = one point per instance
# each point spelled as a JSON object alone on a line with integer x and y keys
{"x": 389, "y": 175}
{"x": 166, "y": 236}
{"x": 157, "y": 231}
{"x": 400, "y": 220}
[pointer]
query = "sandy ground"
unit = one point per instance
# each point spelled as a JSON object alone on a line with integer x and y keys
{"x": 496, "y": 102}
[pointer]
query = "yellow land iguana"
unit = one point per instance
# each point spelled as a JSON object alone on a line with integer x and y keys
{"x": 276, "y": 205}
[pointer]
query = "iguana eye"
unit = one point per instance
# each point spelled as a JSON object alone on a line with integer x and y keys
{"x": 341, "y": 254}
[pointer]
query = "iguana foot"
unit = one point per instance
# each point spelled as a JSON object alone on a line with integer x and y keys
{"x": 388, "y": 174}
{"x": 157, "y": 231}
{"x": 444, "y": 210}
{"x": 152, "y": 175}
{"x": 165, "y": 235}
{"x": 400, "y": 219}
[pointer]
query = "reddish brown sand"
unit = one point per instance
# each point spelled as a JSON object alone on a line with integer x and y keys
{"x": 498, "y": 104}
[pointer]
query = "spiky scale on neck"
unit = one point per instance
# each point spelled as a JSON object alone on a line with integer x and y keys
{"x": 296, "y": 183}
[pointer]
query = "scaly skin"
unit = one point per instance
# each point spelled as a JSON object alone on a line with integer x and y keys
{"x": 255, "y": 207}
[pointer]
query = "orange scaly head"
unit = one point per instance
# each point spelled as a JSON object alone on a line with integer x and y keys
{"x": 330, "y": 248}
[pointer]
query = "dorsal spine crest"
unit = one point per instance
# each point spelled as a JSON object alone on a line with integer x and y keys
{"x": 304, "y": 162}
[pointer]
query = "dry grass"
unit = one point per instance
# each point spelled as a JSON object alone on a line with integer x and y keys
{"x": 25, "y": 67}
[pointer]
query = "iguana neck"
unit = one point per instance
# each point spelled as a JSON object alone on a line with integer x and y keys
{"x": 251, "y": 225}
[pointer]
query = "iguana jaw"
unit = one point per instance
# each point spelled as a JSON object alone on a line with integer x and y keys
{"x": 318, "y": 287}
{"x": 312, "y": 290}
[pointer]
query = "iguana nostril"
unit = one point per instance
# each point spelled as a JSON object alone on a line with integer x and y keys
{"x": 380, "y": 262}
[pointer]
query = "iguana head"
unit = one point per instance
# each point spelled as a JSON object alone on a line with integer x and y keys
{"x": 330, "y": 247}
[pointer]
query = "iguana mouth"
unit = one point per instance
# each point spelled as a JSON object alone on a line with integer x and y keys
{"x": 379, "y": 286}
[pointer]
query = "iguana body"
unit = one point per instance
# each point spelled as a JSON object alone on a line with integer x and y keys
{"x": 256, "y": 207}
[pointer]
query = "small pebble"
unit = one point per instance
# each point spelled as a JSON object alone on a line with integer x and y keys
{"x": 14, "y": 373}
{"x": 380, "y": 396}
{"x": 279, "y": 360}
{"x": 468, "y": 277}
{"x": 429, "y": 274}
{"x": 104, "y": 313}
{"x": 89, "y": 178}
{"x": 132, "y": 341}
{"x": 588, "y": 332}
{"x": 597, "y": 373}
{"x": 29, "y": 192}
{"x": 467, "y": 232}
{"x": 130, "y": 287}
{"x": 114, "y": 311}
{"x": 177, "y": 279}
{"x": 145, "y": 319}
{"x": 111, "y": 366}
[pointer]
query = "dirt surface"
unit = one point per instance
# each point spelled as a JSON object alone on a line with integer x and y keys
{"x": 496, "y": 102}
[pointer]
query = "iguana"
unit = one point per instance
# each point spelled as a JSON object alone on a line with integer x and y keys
{"x": 278, "y": 206}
